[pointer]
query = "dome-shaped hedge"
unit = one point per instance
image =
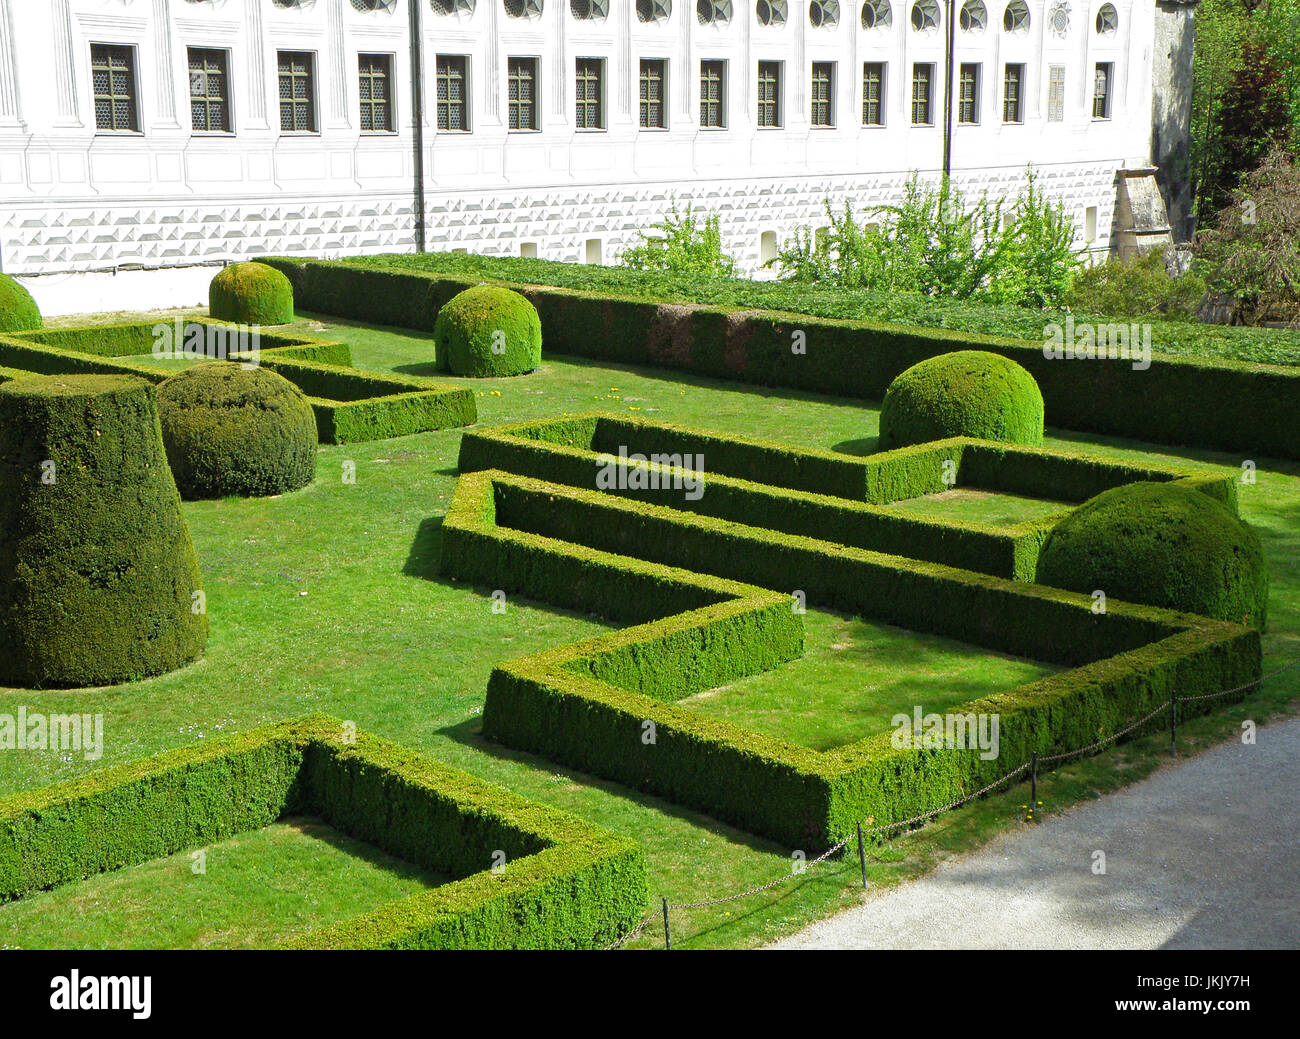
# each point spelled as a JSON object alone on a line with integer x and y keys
{"x": 18, "y": 311}
{"x": 969, "y": 393}
{"x": 251, "y": 294}
{"x": 97, "y": 571}
{"x": 1161, "y": 544}
{"x": 235, "y": 430}
{"x": 488, "y": 331}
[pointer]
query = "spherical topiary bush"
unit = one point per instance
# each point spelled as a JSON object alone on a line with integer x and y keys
{"x": 235, "y": 430}
{"x": 18, "y": 311}
{"x": 488, "y": 331}
{"x": 969, "y": 393}
{"x": 99, "y": 582}
{"x": 1161, "y": 544}
{"x": 251, "y": 294}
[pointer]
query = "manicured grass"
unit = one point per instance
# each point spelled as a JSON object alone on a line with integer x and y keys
{"x": 855, "y": 676}
{"x": 255, "y": 889}
{"x": 328, "y": 599}
{"x": 986, "y": 508}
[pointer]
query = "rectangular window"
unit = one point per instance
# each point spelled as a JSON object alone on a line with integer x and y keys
{"x": 1013, "y": 101}
{"x": 1101, "y": 90}
{"x": 713, "y": 82}
{"x": 376, "y": 71}
{"x": 922, "y": 95}
{"x": 1056, "y": 94}
{"x": 589, "y": 84}
{"x": 297, "y": 91}
{"x": 873, "y": 93}
{"x": 769, "y": 93}
{"x": 823, "y": 93}
{"x": 968, "y": 94}
{"x": 654, "y": 88}
{"x": 112, "y": 73}
{"x": 209, "y": 91}
{"x": 522, "y": 93}
{"x": 453, "y": 92}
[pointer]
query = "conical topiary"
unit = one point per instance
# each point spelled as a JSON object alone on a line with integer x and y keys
{"x": 98, "y": 576}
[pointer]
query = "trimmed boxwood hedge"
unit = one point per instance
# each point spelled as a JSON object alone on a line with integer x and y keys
{"x": 486, "y": 332}
{"x": 833, "y": 497}
{"x": 1164, "y": 545}
{"x": 251, "y": 294}
{"x": 1214, "y": 404}
{"x": 587, "y": 704}
{"x": 233, "y": 430}
{"x": 967, "y": 393}
{"x": 97, "y": 570}
{"x": 566, "y": 883}
{"x": 18, "y": 311}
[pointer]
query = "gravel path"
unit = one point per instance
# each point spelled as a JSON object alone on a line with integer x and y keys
{"x": 1203, "y": 854}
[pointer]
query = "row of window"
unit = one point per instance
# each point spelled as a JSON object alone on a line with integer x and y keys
{"x": 114, "y": 85}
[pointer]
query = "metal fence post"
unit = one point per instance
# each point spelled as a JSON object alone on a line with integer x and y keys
{"x": 862, "y": 857}
{"x": 1173, "y": 726}
{"x": 1033, "y": 782}
{"x": 668, "y": 942}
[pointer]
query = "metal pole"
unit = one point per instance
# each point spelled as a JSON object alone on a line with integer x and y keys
{"x": 862, "y": 857}
{"x": 668, "y": 942}
{"x": 1033, "y": 782}
{"x": 1173, "y": 726}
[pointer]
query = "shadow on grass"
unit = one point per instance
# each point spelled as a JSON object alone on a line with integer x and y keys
{"x": 426, "y": 550}
{"x": 861, "y": 448}
{"x": 319, "y": 829}
{"x": 429, "y": 370}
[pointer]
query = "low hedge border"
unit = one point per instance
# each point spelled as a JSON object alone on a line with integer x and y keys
{"x": 589, "y": 705}
{"x": 1225, "y": 405}
{"x": 351, "y": 406}
{"x": 566, "y": 884}
{"x": 820, "y": 494}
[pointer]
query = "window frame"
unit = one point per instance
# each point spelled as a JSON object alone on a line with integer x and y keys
{"x": 662, "y": 103}
{"x": 602, "y": 120}
{"x": 390, "y": 102}
{"x": 883, "y": 67}
{"x": 974, "y": 100}
{"x": 722, "y": 106}
{"x": 1052, "y": 80}
{"x": 227, "y": 99}
{"x": 534, "y": 104}
{"x": 777, "y": 102}
{"x": 832, "y": 69}
{"x": 1108, "y": 99}
{"x": 930, "y": 77}
{"x": 1019, "y": 100}
{"x": 466, "y": 98}
{"x": 313, "y": 100}
{"x": 133, "y": 69}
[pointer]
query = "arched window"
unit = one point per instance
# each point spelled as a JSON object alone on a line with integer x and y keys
{"x": 654, "y": 10}
{"x": 974, "y": 16}
{"x": 1107, "y": 20}
{"x": 374, "y": 5}
{"x": 461, "y": 7}
{"x": 824, "y": 13}
{"x": 771, "y": 12}
{"x": 524, "y": 8}
{"x": 294, "y": 3}
{"x": 713, "y": 12}
{"x": 877, "y": 14}
{"x": 1016, "y": 17}
{"x": 589, "y": 10}
{"x": 925, "y": 16}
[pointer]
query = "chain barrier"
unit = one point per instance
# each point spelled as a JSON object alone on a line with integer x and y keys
{"x": 636, "y": 931}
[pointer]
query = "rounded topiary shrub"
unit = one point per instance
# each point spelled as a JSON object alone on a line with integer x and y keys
{"x": 1161, "y": 544}
{"x": 18, "y": 311}
{"x": 235, "y": 430}
{"x": 99, "y": 582}
{"x": 251, "y": 294}
{"x": 488, "y": 331}
{"x": 969, "y": 393}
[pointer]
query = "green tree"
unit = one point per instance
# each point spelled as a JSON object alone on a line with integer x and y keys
{"x": 683, "y": 245}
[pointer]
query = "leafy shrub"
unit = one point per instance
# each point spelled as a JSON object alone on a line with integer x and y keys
{"x": 1141, "y": 286}
{"x": 488, "y": 331}
{"x": 235, "y": 430}
{"x": 685, "y": 245}
{"x": 936, "y": 243}
{"x": 251, "y": 294}
{"x": 97, "y": 570}
{"x": 18, "y": 311}
{"x": 968, "y": 393}
{"x": 1163, "y": 545}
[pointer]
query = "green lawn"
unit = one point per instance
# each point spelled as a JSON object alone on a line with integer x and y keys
{"x": 247, "y": 892}
{"x": 855, "y": 676}
{"x": 328, "y": 599}
{"x": 985, "y": 508}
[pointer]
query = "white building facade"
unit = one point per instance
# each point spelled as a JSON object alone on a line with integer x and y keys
{"x": 165, "y": 133}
